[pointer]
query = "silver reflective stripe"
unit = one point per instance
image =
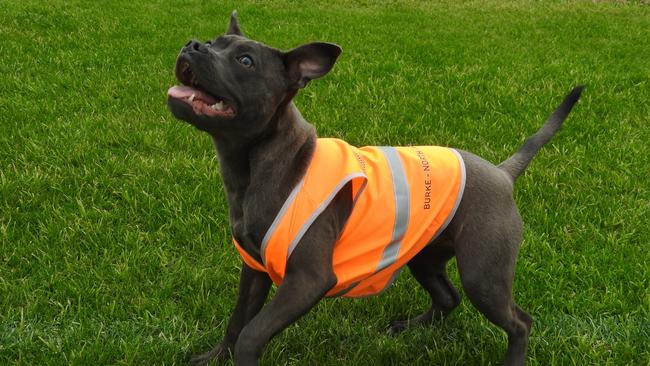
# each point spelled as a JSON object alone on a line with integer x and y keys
{"x": 278, "y": 217}
{"x": 461, "y": 189}
{"x": 402, "y": 198}
{"x": 402, "y": 206}
{"x": 321, "y": 208}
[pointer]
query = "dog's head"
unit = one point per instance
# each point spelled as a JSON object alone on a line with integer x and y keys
{"x": 235, "y": 86}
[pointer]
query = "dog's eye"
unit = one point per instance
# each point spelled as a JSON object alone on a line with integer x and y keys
{"x": 246, "y": 61}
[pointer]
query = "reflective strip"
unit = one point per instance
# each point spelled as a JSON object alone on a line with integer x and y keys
{"x": 278, "y": 217}
{"x": 461, "y": 190}
{"x": 402, "y": 206}
{"x": 322, "y": 207}
{"x": 402, "y": 197}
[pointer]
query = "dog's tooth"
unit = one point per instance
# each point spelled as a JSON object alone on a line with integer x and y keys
{"x": 192, "y": 97}
{"x": 218, "y": 106}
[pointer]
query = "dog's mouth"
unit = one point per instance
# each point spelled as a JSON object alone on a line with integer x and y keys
{"x": 201, "y": 101}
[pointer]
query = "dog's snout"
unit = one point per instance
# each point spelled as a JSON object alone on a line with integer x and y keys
{"x": 194, "y": 46}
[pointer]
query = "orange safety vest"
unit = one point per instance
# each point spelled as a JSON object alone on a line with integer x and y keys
{"x": 403, "y": 197}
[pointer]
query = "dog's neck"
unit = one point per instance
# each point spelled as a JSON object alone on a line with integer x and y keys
{"x": 260, "y": 173}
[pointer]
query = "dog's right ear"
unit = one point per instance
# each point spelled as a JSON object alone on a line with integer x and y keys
{"x": 233, "y": 28}
{"x": 309, "y": 62}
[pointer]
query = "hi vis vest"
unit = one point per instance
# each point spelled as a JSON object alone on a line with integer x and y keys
{"x": 403, "y": 198}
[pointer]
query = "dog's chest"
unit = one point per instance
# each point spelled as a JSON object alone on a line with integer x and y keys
{"x": 250, "y": 220}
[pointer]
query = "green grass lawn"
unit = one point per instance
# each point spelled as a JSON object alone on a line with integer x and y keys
{"x": 114, "y": 239}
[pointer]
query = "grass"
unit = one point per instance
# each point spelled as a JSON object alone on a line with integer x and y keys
{"x": 114, "y": 240}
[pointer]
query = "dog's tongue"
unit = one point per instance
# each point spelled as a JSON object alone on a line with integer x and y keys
{"x": 184, "y": 92}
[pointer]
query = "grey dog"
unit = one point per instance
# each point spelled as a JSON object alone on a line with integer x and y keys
{"x": 241, "y": 95}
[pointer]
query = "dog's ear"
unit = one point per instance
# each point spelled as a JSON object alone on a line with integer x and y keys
{"x": 233, "y": 28}
{"x": 309, "y": 62}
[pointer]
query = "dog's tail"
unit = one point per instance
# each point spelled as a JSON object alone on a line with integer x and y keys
{"x": 517, "y": 163}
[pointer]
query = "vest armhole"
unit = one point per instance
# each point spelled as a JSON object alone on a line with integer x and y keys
{"x": 248, "y": 259}
{"x": 357, "y": 189}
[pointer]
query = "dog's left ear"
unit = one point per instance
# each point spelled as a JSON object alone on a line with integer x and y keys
{"x": 233, "y": 28}
{"x": 309, "y": 62}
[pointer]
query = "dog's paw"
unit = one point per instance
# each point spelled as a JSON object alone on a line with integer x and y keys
{"x": 397, "y": 326}
{"x": 427, "y": 318}
{"x": 218, "y": 353}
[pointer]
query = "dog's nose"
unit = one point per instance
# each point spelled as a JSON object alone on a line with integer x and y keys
{"x": 193, "y": 46}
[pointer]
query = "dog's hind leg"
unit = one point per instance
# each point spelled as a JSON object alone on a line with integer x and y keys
{"x": 488, "y": 285}
{"x": 429, "y": 269}
{"x": 487, "y": 231}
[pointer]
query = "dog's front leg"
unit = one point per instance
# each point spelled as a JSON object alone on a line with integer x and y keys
{"x": 253, "y": 288}
{"x": 297, "y": 294}
{"x": 308, "y": 277}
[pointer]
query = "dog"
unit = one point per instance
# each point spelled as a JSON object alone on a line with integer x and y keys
{"x": 240, "y": 92}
